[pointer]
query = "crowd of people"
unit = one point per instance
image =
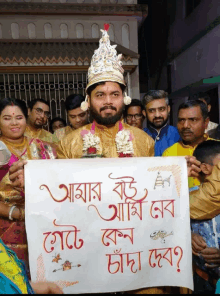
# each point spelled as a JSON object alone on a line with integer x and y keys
{"x": 104, "y": 112}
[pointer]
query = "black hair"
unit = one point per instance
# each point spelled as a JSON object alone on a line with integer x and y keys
{"x": 199, "y": 96}
{"x": 152, "y": 95}
{"x": 195, "y": 103}
{"x": 54, "y": 120}
{"x": 14, "y": 102}
{"x": 74, "y": 101}
{"x": 32, "y": 103}
{"x": 93, "y": 86}
{"x": 207, "y": 151}
{"x": 134, "y": 103}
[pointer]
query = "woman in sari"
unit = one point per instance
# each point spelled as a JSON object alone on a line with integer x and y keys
{"x": 14, "y": 279}
{"x": 13, "y": 115}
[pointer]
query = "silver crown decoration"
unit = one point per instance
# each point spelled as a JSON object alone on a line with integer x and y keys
{"x": 106, "y": 65}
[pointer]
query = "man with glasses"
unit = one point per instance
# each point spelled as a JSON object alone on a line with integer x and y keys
{"x": 38, "y": 115}
{"x": 76, "y": 116}
{"x": 134, "y": 114}
{"x": 157, "y": 108}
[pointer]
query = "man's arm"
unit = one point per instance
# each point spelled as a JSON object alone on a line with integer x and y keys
{"x": 61, "y": 150}
{"x": 70, "y": 146}
{"x": 205, "y": 202}
{"x": 151, "y": 147}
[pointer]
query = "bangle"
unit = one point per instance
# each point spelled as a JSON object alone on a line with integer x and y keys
{"x": 10, "y": 212}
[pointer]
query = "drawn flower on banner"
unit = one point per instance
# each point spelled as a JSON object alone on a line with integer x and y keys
{"x": 124, "y": 143}
{"x": 41, "y": 274}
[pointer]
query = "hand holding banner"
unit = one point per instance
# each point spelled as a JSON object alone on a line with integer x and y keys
{"x": 105, "y": 226}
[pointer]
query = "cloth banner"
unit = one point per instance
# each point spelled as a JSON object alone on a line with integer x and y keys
{"x": 107, "y": 225}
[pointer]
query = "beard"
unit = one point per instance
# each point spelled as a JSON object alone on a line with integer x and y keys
{"x": 159, "y": 125}
{"x": 39, "y": 124}
{"x": 110, "y": 120}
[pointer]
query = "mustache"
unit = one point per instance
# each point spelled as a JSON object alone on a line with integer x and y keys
{"x": 155, "y": 118}
{"x": 108, "y": 107}
{"x": 186, "y": 130}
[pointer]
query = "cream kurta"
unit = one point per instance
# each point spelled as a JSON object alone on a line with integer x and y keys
{"x": 41, "y": 134}
{"x": 71, "y": 146}
{"x": 64, "y": 131}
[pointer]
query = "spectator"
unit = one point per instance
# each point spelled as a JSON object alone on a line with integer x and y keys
{"x": 14, "y": 279}
{"x": 57, "y": 123}
{"x": 205, "y": 232}
{"x": 157, "y": 108}
{"x": 134, "y": 113}
{"x": 38, "y": 115}
{"x": 13, "y": 114}
{"x": 192, "y": 121}
{"x": 207, "y": 100}
{"x": 76, "y": 116}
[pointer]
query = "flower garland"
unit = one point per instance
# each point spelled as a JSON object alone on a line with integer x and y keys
{"x": 90, "y": 143}
{"x": 124, "y": 143}
{"x": 123, "y": 139}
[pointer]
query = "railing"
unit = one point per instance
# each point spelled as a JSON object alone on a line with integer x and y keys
{"x": 53, "y": 87}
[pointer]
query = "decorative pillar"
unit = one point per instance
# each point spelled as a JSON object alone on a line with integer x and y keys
{"x": 129, "y": 84}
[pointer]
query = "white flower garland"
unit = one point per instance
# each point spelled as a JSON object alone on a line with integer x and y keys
{"x": 123, "y": 142}
{"x": 90, "y": 140}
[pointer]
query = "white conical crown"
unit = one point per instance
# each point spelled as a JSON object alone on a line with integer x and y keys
{"x": 106, "y": 65}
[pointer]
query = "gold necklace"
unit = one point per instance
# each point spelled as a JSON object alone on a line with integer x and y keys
{"x": 20, "y": 147}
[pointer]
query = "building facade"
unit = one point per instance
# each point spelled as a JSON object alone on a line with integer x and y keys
{"x": 193, "y": 57}
{"x": 46, "y": 46}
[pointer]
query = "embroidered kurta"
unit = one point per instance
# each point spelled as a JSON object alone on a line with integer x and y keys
{"x": 71, "y": 146}
{"x": 41, "y": 134}
{"x": 13, "y": 232}
{"x": 61, "y": 132}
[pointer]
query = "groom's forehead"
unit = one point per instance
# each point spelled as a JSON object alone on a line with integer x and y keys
{"x": 107, "y": 87}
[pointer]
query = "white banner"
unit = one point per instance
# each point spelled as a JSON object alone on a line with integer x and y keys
{"x": 107, "y": 225}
